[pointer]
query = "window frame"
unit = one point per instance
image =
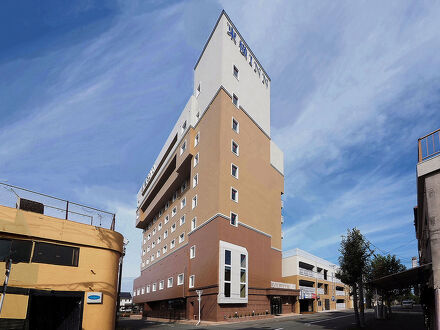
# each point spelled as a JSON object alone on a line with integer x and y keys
{"x": 196, "y": 159}
{"x": 192, "y": 281}
{"x": 193, "y": 221}
{"x": 197, "y": 139}
{"x": 238, "y": 125}
{"x": 194, "y": 202}
{"x": 195, "y": 180}
{"x": 192, "y": 252}
{"x": 236, "y": 219}
{"x": 236, "y": 194}
{"x": 237, "y": 171}
{"x": 235, "y": 97}
{"x": 232, "y": 148}
{"x": 170, "y": 283}
{"x": 234, "y": 70}
{"x": 181, "y": 282}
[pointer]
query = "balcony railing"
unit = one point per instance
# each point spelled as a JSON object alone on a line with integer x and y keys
{"x": 429, "y": 145}
{"x": 340, "y": 292}
{"x": 306, "y": 272}
{"x": 56, "y": 207}
{"x": 320, "y": 290}
{"x": 307, "y": 289}
{"x": 340, "y": 305}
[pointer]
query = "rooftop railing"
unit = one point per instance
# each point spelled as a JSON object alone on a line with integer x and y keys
{"x": 429, "y": 145}
{"x": 56, "y": 207}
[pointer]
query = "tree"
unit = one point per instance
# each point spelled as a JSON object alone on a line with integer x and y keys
{"x": 381, "y": 266}
{"x": 355, "y": 253}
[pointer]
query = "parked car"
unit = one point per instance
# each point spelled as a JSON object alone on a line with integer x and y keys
{"x": 407, "y": 304}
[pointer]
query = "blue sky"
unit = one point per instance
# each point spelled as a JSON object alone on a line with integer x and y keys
{"x": 89, "y": 91}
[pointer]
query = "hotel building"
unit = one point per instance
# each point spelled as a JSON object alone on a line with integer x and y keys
{"x": 320, "y": 290}
{"x": 210, "y": 208}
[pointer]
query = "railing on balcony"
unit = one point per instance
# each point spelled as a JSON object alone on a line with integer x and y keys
{"x": 340, "y": 305}
{"x": 340, "y": 292}
{"x": 306, "y": 272}
{"x": 429, "y": 145}
{"x": 56, "y": 207}
{"x": 320, "y": 290}
{"x": 320, "y": 276}
{"x": 307, "y": 289}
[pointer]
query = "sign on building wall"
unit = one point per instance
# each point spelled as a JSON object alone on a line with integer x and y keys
{"x": 247, "y": 55}
{"x": 280, "y": 285}
{"x": 94, "y": 297}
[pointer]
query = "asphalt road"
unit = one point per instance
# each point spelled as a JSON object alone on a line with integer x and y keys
{"x": 401, "y": 319}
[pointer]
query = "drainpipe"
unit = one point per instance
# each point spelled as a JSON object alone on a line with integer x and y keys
{"x": 5, "y": 285}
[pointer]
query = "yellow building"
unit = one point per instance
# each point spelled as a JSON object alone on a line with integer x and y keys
{"x": 63, "y": 273}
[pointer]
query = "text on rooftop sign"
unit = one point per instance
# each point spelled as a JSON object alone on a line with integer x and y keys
{"x": 248, "y": 56}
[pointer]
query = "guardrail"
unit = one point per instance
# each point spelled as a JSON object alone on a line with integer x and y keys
{"x": 306, "y": 272}
{"x": 307, "y": 289}
{"x": 57, "y": 207}
{"x": 340, "y": 292}
{"x": 320, "y": 290}
{"x": 429, "y": 145}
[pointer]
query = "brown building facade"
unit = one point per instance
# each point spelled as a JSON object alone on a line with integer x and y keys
{"x": 210, "y": 208}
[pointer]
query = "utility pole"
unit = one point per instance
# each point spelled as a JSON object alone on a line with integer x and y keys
{"x": 199, "y": 293}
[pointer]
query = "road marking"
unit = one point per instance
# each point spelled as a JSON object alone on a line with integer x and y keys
{"x": 333, "y": 318}
{"x": 279, "y": 329}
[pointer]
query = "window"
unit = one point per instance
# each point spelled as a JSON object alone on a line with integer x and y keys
{"x": 170, "y": 282}
{"x": 234, "y": 170}
{"x": 164, "y": 249}
{"x": 227, "y": 279}
{"x": 158, "y": 254}
{"x": 172, "y": 244}
{"x": 234, "y": 219}
{"x": 192, "y": 252}
{"x": 235, "y": 125}
{"x": 148, "y": 261}
{"x": 54, "y": 254}
{"x": 198, "y": 115}
{"x": 174, "y": 211}
{"x": 182, "y": 220}
{"x": 154, "y": 287}
{"x": 181, "y": 237}
{"x": 167, "y": 218}
{"x": 165, "y": 234}
{"x": 198, "y": 90}
{"x": 17, "y": 250}
{"x": 148, "y": 237}
{"x": 173, "y": 227}
{"x": 234, "y": 147}
{"x": 152, "y": 258}
{"x": 234, "y": 195}
{"x": 235, "y": 100}
{"x": 183, "y": 186}
{"x": 180, "y": 279}
{"x": 235, "y": 72}
{"x": 243, "y": 268}
{"x": 196, "y": 159}
{"x": 160, "y": 213}
{"x": 138, "y": 292}
{"x": 191, "y": 281}
{"x": 195, "y": 180}
{"x": 193, "y": 223}
{"x": 154, "y": 231}
{"x": 143, "y": 290}
{"x": 148, "y": 248}
{"x": 183, "y": 147}
{"x": 184, "y": 126}
{"x": 145, "y": 240}
{"x": 153, "y": 245}
{"x": 143, "y": 252}
{"x": 183, "y": 203}
{"x": 148, "y": 288}
{"x": 159, "y": 239}
{"x": 161, "y": 285}
{"x": 194, "y": 201}
{"x": 174, "y": 196}
{"x": 197, "y": 139}
{"x": 143, "y": 264}
{"x": 159, "y": 227}
{"x": 167, "y": 204}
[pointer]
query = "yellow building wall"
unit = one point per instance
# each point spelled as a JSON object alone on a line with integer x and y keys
{"x": 100, "y": 250}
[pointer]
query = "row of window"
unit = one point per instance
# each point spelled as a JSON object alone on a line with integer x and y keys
{"x": 170, "y": 282}
{"x": 234, "y": 168}
{"x": 38, "y": 252}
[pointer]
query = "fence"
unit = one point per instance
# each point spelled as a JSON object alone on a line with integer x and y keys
{"x": 57, "y": 207}
{"x": 429, "y": 145}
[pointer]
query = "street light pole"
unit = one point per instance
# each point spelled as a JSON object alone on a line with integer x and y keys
{"x": 199, "y": 293}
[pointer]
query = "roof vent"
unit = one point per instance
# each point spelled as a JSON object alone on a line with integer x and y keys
{"x": 28, "y": 205}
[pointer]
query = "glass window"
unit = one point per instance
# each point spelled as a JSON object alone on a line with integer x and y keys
{"x": 235, "y": 72}
{"x": 181, "y": 237}
{"x": 165, "y": 234}
{"x": 55, "y": 254}
{"x": 161, "y": 285}
{"x": 234, "y": 219}
{"x": 182, "y": 220}
{"x": 192, "y": 252}
{"x": 195, "y": 180}
{"x": 193, "y": 223}
{"x": 235, "y": 100}
{"x": 183, "y": 147}
{"x": 235, "y": 125}
{"x": 183, "y": 203}
{"x": 227, "y": 289}
{"x": 196, "y": 159}
{"x": 172, "y": 244}
{"x": 173, "y": 227}
{"x": 170, "y": 282}
{"x": 191, "y": 281}
{"x": 17, "y": 250}
{"x": 174, "y": 211}
{"x": 242, "y": 290}
{"x": 234, "y": 171}
{"x": 180, "y": 278}
{"x": 227, "y": 273}
{"x": 235, "y": 148}
{"x": 194, "y": 201}
{"x": 227, "y": 257}
{"x": 243, "y": 260}
{"x": 234, "y": 194}
{"x": 167, "y": 218}
{"x": 197, "y": 139}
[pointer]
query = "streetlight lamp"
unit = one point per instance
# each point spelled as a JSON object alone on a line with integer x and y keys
{"x": 199, "y": 293}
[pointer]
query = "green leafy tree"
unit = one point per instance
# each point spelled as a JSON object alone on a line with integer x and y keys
{"x": 381, "y": 266}
{"x": 354, "y": 259}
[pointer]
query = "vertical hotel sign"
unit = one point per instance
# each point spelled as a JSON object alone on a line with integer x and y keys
{"x": 247, "y": 55}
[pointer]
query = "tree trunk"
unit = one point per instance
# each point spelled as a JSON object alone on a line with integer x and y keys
{"x": 361, "y": 303}
{"x": 355, "y": 304}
